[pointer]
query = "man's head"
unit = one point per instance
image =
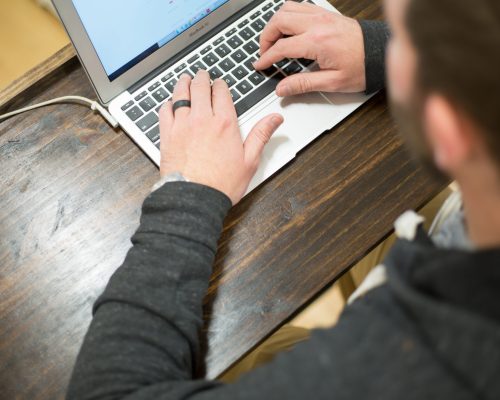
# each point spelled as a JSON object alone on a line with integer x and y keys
{"x": 444, "y": 79}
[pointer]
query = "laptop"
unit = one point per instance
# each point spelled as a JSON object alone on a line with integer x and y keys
{"x": 134, "y": 51}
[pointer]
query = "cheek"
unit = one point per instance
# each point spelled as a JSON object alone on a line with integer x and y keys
{"x": 400, "y": 67}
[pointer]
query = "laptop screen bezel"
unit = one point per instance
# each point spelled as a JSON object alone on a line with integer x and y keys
{"x": 107, "y": 90}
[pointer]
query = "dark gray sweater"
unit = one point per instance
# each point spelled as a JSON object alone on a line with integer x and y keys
{"x": 432, "y": 331}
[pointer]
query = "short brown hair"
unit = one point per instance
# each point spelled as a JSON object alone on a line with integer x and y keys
{"x": 458, "y": 47}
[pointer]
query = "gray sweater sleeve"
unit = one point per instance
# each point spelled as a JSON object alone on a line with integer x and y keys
{"x": 144, "y": 336}
{"x": 376, "y": 35}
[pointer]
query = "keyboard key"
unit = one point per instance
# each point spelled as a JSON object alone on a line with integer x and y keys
{"x": 229, "y": 80}
{"x": 267, "y": 7}
{"x": 235, "y": 95}
{"x": 185, "y": 72}
{"x": 282, "y": 63}
{"x": 305, "y": 62}
{"x": 170, "y": 86}
{"x": 210, "y": 59}
{"x": 235, "y": 42}
{"x": 248, "y": 63}
{"x": 267, "y": 16}
{"x": 243, "y": 23}
{"x": 244, "y": 87}
{"x": 226, "y": 65}
{"x": 134, "y": 113}
{"x": 239, "y": 56}
{"x": 219, "y": 41}
{"x": 253, "y": 16}
{"x": 154, "y": 86}
{"x": 256, "y": 78}
{"x": 140, "y": 96}
{"x": 215, "y": 73}
{"x": 167, "y": 77}
{"x": 270, "y": 71}
{"x": 251, "y": 47}
{"x": 193, "y": 59}
{"x": 154, "y": 134}
{"x": 128, "y": 105}
{"x": 158, "y": 145}
{"x": 239, "y": 73}
{"x": 222, "y": 50}
{"x": 206, "y": 50}
{"x": 197, "y": 66}
{"x": 258, "y": 25}
{"x": 147, "y": 104}
{"x": 180, "y": 68}
{"x": 147, "y": 122}
{"x": 231, "y": 32}
{"x": 293, "y": 68}
{"x": 257, "y": 95}
{"x": 247, "y": 34}
{"x": 160, "y": 95}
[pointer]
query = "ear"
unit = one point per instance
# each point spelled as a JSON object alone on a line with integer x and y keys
{"x": 446, "y": 133}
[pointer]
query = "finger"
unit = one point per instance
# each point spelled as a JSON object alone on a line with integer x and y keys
{"x": 325, "y": 81}
{"x": 166, "y": 122}
{"x": 182, "y": 91}
{"x": 166, "y": 116}
{"x": 222, "y": 102}
{"x": 282, "y": 23}
{"x": 259, "y": 137}
{"x": 292, "y": 47}
{"x": 201, "y": 94}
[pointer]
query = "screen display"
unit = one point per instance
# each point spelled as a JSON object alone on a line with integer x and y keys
{"x": 125, "y": 32}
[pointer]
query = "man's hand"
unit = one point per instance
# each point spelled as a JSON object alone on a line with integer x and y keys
{"x": 303, "y": 30}
{"x": 204, "y": 142}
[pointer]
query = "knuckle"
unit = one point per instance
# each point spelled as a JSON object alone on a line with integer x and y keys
{"x": 261, "y": 133}
{"x": 224, "y": 122}
{"x": 304, "y": 84}
{"x": 324, "y": 18}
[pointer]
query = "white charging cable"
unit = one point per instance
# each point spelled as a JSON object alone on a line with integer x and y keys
{"x": 94, "y": 106}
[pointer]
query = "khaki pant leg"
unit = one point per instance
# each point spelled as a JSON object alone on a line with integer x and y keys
{"x": 351, "y": 280}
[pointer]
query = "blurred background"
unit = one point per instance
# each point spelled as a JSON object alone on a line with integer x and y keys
{"x": 29, "y": 33}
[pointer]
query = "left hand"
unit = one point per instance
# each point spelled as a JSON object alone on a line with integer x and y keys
{"x": 204, "y": 142}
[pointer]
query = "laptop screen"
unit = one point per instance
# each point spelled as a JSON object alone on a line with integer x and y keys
{"x": 125, "y": 32}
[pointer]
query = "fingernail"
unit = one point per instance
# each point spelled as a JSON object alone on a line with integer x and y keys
{"x": 276, "y": 121}
{"x": 282, "y": 90}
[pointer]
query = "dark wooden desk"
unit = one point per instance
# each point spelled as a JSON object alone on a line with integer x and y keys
{"x": 70, "y": 197}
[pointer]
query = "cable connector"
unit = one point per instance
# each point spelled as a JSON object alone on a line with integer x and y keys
{"x": 94, "y": 106}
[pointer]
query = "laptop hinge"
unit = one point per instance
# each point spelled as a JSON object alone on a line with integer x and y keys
{"x": 193, "y": 46}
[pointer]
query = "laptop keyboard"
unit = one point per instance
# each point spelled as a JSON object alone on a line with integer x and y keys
{"x": 229, "y": 56}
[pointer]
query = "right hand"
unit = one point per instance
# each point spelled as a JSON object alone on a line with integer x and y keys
{"x": 303, "y": 30}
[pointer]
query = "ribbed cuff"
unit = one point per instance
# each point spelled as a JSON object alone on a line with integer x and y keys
{"x": 376, "y": 35}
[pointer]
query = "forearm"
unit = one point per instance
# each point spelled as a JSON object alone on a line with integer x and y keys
{"x": 376, "y": 35}
{"x": 144, "y": 335}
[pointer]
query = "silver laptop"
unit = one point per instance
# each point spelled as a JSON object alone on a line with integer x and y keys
{"x": 134, "y": 51}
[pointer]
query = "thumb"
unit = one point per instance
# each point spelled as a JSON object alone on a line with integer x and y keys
{"x": 306, "y": 82}
{"x": 259, "y": 137}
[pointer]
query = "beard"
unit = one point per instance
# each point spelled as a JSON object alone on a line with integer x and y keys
{"x": 410, "y": 124}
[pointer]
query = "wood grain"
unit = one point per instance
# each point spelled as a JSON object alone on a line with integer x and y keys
{"x": 71, "y": 190}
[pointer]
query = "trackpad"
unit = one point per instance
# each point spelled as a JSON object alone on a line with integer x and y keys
{"x": 306, "y": 117}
